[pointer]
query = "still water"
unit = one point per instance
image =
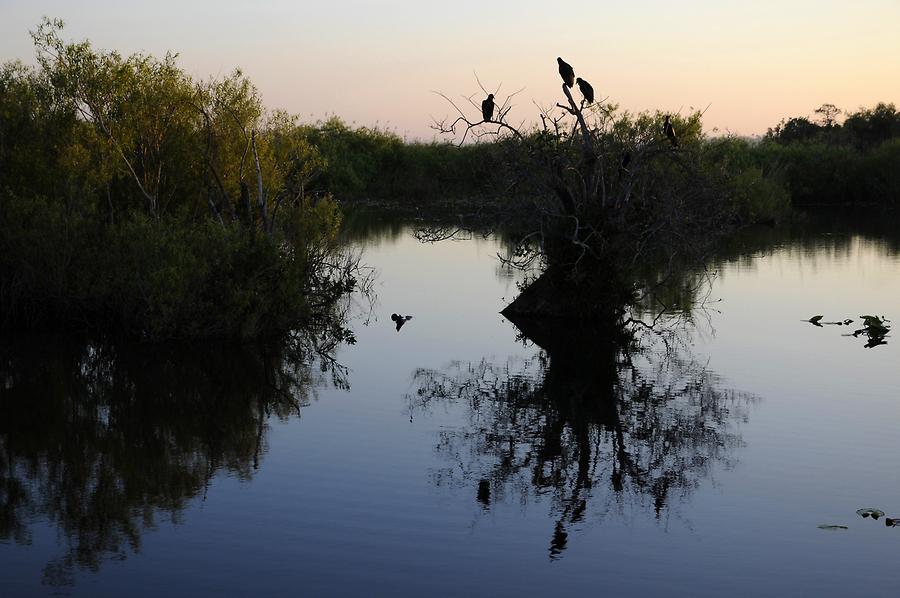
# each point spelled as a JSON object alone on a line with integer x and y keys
{"x": 455, "y": 457}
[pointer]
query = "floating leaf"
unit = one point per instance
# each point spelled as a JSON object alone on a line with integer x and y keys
{"x": 873, "y": 513}
{"x": 832, "y": 527}
{"x": 815, "y": 319}
{"x": 892, "y": 522}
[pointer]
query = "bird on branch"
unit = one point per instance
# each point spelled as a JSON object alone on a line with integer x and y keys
{"x": 566, "y": 72}
{"x": 586, "y": 90}
{"x": 669, "y": 130}
{"x": 487, "y": 108}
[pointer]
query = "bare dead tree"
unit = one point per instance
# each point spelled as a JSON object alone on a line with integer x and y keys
{"x": 607, "y": 195}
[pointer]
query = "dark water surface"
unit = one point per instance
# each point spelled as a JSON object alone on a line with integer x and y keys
{"x": 463, "y": 461}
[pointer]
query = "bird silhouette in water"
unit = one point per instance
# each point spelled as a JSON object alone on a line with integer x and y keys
{"x": 669, "y": 130}
{"x": 484, "y": 493}
{"x": 586, "y": 90}
{"x": 559, "y": 540}
{"x": 566, "y": 72}
{"x": 400, "y": 320}
{"x": 487, "y": 107}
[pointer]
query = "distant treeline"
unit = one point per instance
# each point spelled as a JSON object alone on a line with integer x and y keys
{"x": 827, "y": 162}
{"x": 372, "y": 163}
{"x": 824, "y": 162}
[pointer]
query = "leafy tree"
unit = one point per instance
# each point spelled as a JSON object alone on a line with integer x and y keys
{"x": 138, "y": 199}
{"x": 793, "y": 130}
{"x": 828, "y": 113}
{"x": 870, "y": 127}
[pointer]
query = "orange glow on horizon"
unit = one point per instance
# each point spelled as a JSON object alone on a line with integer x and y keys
{"x": 376, "y": 65}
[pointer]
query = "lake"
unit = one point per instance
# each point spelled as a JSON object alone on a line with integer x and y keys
{"x": 454, "y": 456}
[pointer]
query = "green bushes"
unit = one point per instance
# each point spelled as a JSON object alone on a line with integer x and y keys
{"x": 371, "y": 163}
{"x": 135, "y": 199}
{"x": 758, "y": 193}
{"x": 881, "y": 171}
{"x": 820, "y": 174}
{"x": 837, "y": 164}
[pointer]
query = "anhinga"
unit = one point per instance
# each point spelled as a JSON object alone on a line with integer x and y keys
{"x": 586, "y": 90}
{"x": 487, "y": 107}
{"x": 669, "y": 130}
{"x": 566, "y": 72}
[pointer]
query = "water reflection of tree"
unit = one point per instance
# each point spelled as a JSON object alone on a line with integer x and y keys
{"x": 591, "y": 429}
{"x": 103, "y": 439}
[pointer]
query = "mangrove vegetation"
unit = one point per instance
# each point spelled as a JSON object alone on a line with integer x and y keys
{"x": 137, "y": 199}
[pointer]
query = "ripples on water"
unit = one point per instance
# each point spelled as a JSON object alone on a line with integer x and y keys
{"x": 457, "y": 457}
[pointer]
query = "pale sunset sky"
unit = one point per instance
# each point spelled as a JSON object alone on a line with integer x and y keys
{"x": 753, "y": 62}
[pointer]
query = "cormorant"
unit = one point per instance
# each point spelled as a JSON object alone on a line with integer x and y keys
{"x": 566, "y": 72}
{"x": 670, "y": 132}
{"x": 586, "y": 90}
{"x": 626, "y": 160}
{"x": 487, "y": 107}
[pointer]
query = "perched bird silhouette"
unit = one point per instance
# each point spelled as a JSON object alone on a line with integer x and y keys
{"x": 566, "y": 72}
{"x": 487, "y": 107}
{"x": 626, "y": 160}
{"x": 400, "y": 320}
{"x": 669, "y": 130}
{"x": 586, "y": 90}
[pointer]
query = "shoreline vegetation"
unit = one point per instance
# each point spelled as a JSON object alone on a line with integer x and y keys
{"x": 137, "y": 200}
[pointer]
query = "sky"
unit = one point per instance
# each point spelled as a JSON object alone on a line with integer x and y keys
{"x": 379, "y": 63}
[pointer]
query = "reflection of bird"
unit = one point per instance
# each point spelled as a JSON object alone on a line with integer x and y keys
{"x": 400, "y": 320}
{"x": 669, "y": 130}
{"x": 559, "y": 540}
{"x": 586, "y": 90}
{"x": 484, "y": 493}
{"x": 487, "y": 107}
{"x": 566, "y": 72}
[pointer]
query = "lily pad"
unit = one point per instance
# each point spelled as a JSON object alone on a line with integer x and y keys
{"x": 815, "y": 319}
{"x": 873, "y": 513}
{"x": 891, "y": 522}
{"x": 832, "y": 527}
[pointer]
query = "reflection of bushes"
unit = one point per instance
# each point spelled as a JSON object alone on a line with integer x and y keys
{"x": 158, "y": 281}
{"x": 103, "y": 439}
